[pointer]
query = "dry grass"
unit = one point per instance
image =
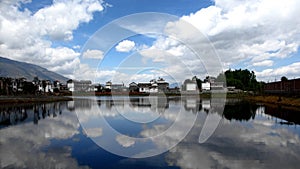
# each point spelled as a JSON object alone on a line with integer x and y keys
{"x": 286, "y": 101}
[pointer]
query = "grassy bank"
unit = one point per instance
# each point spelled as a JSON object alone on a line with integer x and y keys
{"x": 32, "y": 99}
{"x": 276, "y": 100}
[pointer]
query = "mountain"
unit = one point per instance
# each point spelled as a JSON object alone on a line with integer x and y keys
{"x": 15, "y": 69}
{"x": 173, "y": 85}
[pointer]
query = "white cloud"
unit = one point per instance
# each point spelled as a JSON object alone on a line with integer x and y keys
{"x": 125, "y": 141}
{"x": 60, "y": 19}
{"x": 178, "y": 60}
{"x": 260, "y": 31}
{"x": 125, "y": 46}
{"x": 93, "y": 54}
{"x": 291, "y": 71}
{"x": 264, "y": 63}
{"x": 93, "y": 132}
{"x": 18, "y": 141}
{"x": 76, "y": 47}
{"x": 27, "y": 36}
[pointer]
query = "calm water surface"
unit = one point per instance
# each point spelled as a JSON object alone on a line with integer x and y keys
{"x": 68, "y": 134}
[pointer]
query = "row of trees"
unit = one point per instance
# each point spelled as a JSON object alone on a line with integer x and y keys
{"x": 240, "y": 79}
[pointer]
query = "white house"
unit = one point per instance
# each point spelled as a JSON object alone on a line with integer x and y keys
{"x": 83, "y": 85}
{"x": 144, "y": 87}
{"x": 71, "y": 85}
{"x": 205, "y": 86}
{"x": 190, "y": 86}
{"x": 108, "y": 85}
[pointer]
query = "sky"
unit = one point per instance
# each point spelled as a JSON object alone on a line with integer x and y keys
{"x": 138, "y": 40}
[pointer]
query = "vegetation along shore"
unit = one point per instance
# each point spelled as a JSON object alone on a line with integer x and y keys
{"x": 31, "y": 99}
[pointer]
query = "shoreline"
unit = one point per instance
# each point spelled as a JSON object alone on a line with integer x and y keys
{"x": 275, "y": 100}
{"x": 264, "y": 99}
{"x": 33, "y": 99}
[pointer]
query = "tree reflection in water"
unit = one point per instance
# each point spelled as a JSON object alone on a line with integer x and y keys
{"x": 15, "y": 114}
{"x": 235, "y": 144}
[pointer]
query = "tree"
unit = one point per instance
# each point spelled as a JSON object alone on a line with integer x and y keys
{"x": 29, "y": 88}
{"x": 198, "y": 81}
{"x": 241, "y": 79}
{"x": 283, "y": 79}
{"x": 44, "y": 84}
{"x": 221, "y": 78}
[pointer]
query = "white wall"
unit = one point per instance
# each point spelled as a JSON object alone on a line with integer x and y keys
{"x": 191, "y": 87}
{"x": 205, "y": 86}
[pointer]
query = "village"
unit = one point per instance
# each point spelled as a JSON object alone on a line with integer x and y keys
{"x": 19, "y": 86}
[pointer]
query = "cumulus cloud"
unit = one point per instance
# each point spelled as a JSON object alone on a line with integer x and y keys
{"x": 264, "y": 63}
{"x": 125, "y": 141}
{"x": 258, "y": 33}
{"x": 27, "y": 36}
{"x": 291, "y": 70}
{"x": 125, "y": 46}
{"x": 256, "y": 30}
{"x": 93, "y": 132}
{"x": 18, "y": 141}
{"x": 258, "y": 136}
{"x": 93, "y": 54}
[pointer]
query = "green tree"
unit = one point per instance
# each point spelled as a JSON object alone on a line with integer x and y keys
{"x": 198, "y": 81}
{"x": 241, "y": 79}
{"x": 283, "y": 78}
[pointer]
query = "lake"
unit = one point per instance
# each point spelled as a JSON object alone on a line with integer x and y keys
{"x": 149, "y": 132}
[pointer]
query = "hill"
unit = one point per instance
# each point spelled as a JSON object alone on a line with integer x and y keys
{"x": 16, "y": 69}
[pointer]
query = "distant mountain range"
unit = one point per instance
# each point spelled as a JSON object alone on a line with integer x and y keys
{"x": 15, "y": 69}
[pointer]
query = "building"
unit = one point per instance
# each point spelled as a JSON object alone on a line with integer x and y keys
{"x": 118, "y": 88}
{"x": 133, "y": 87}
{"x": 47, "y": 86}
{"x": 80, "y": 86}
{"x": 283, "y": 87}
{"x": 190, "y": 86}
{"x": 219, "y": 86}
{"x": 144, "y": 87}
{"x": 162, "y": 85}
{"x": 18, "y": 84}
{"x": 108, "y": 85}
{"x": 155, "y": 86}
{"x": 205, "y": 86}
{"x": 211, "y": 85}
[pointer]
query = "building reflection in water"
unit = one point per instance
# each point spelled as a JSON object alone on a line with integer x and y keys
{"x": 53, "y": 117}
{"x": 14, "y": 114}
{"x": 233, "y": 110}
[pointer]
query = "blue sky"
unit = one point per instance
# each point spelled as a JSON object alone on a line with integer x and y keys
{"x": 187, "y": 37}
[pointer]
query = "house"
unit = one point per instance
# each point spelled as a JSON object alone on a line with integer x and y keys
{"x": 144, "y": 87}
{"x": 108, "y": 85}
{"x": 100, "y": 88}
{"x": 18, "y": 84}
{"x": 175, "y": 90}
{"x": 190, "y": 86}
{"x": 71, "y": 85}
{"x": 47, "y": 85}
{"x": 217, "y": 86}
{"x": 205, "y": 86}
{"x": 82, "y": 85}
{"x": 155, "y": 86}
{"x": 118, "y": 88}
{"x": 210, "y": 84}
{"x": 133, "y": 87}
{"x": 162, "y": 85}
